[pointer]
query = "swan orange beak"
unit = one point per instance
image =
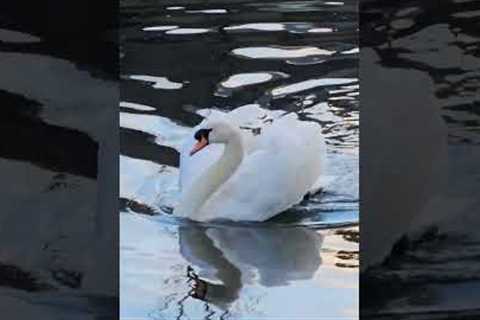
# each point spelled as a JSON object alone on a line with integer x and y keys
{"x": 202, "y": 143}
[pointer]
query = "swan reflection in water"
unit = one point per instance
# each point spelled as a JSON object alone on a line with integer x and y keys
{"x": 236, "y": 256}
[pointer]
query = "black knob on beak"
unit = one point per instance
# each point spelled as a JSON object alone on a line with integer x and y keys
{"x": 202, "y": 133}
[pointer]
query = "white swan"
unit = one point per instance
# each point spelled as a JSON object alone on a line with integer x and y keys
{"x": 233, "y": 174}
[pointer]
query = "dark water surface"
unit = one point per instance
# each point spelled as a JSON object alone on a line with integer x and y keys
{"x": 182, "y": 60}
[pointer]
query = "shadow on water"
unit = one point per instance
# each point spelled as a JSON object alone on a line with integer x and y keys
{"x": 228, "y": 272}
{"x": 230, "y": 255}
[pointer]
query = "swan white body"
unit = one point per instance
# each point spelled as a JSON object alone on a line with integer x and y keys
{"x": 240, "y": 176}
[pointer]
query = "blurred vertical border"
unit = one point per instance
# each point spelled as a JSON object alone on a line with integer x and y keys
{"x": 419, "y": 159}
{"x": 59, "y": 159}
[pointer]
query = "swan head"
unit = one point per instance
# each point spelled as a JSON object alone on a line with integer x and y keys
{"x": 213, "y": 131}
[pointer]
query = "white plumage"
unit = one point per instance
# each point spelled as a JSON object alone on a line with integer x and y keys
{"x": 279, "y": 166}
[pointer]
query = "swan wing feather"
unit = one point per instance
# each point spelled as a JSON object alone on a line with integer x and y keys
{"x": 272, "y": 178}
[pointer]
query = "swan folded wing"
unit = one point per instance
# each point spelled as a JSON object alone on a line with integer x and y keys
{"x": 255, "y": 192}
{"x": 313, "y": 151}
{"x": 281, "y": 165}
{"x": 271, "y": 179}
{"x": 305, "y": 140}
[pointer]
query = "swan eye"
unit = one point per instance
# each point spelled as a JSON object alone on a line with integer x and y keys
{"x": 202, "y": 133}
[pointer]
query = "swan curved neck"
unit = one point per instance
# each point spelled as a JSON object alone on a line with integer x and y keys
{"x": 213, "y": 178}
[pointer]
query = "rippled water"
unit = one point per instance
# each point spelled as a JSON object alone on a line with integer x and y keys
{"x": 184, "y": 60}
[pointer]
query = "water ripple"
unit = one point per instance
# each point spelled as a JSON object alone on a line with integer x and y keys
{"x": 280, "y": 52}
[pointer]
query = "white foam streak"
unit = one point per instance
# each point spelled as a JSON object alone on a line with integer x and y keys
{"x": 158, "y": 82}
{"x": 159, "y": 28}
{"x": 175, "y": 8}
{"x": 310, "y": 84}
{"x": 243, "y": 79}
{"x": 258, "y": 26}
{"x": 351, "y": 51}
{"x": 209, "y": 11}
{"x": 280, "y": 53}
{"x": 320, "y": 30}
{"x": 183, "y": 31}
{"x": 136, "y": 106}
